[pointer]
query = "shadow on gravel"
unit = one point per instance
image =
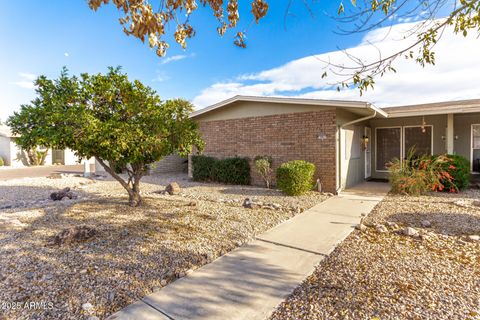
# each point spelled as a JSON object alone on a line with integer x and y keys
{"x": 20, "y": 197}
{"x": 443, "y": 223}
{"x": 133, "y": 251}
{"x": 252, "y": 191}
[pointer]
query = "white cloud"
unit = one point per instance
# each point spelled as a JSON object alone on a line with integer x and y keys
{"x": 160, "y": 76}
{"x": 455, "y": 76}
{"x": 26, "y": 81}
{"x": 174, "y": 58}
{"x": 66, "y": 54}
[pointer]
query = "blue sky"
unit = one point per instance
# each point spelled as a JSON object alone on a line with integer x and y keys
{"x": 39, "y": 37}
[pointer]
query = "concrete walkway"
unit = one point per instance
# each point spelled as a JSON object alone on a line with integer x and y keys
{"x": 250, "y": 281}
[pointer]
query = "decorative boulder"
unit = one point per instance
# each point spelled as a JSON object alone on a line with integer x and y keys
{"x": 411, "y": 232}
{"x": 59, "y": 195}
{"x": 250, "y": 204}
{"x": 74, "y": 234}
{"x": 173, "y": 188}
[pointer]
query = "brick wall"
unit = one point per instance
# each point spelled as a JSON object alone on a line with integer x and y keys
{"x": 171, "y": 163}
{"x": 284, "y": 137}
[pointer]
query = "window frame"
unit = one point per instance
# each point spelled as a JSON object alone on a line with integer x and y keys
{"x": 402, "y": 140}
{"x": 417, "y": 126}
{"x": 376, "y": 144}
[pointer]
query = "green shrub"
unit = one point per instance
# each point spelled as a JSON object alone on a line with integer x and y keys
{"x": 1, "y": 162}
{"x": 295, "y": 177}
{"x": 263, "y": 165}
{"x": 458, "y": 168}
{"x": 203, "y": 168}
{"x": 234, "y": 170}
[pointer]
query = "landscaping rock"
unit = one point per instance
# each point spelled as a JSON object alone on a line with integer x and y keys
{"x": 75, "y": 234}
{"x": 48, "y": 276}
{"x": 173, "y": 189}
{"x": 87, "y": 306}
{"x": 476, "y": 203}
{"x": 411, "y": 232}
{"x": 55, "y": 175}
{"x": 392, "y": 225}
{"x": 381, "y": 228}
{"x": 361, "y": 227}
{"x": 474, "y": 238}
{"x": 250, "y": 204}
{"x": 426, "y": 224}
{"x": 64, "y": 193}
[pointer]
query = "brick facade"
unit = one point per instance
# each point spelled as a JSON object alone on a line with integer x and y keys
{"x": 171, "y": 163}
{"x": 285, "y": 137}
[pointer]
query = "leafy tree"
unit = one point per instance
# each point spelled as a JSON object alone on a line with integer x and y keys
{"x": 146, "y": 19}
{"x": 122, "y": 123}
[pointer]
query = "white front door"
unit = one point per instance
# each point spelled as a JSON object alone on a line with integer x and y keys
{"x": 368, "y": 153}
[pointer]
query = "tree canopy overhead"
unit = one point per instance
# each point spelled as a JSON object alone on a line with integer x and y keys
{"x": 122, "y": 123}
{"x": 149, "y": 19}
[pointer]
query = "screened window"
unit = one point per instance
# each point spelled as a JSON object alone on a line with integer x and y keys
{"x": 476, "y": 136}
{"x": 388, "y": 146}
{"x": 418, "y": 138}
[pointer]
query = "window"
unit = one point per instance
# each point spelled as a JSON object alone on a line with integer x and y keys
{"x": 419, "y": 138}
{"x": 388, "y": 146}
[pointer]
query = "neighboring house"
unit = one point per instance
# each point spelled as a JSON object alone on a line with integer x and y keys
{"x": 14, "y": 156}
{"x": 348, "y": 141}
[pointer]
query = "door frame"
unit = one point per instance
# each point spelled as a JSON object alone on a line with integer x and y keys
{"x": 471, "y": 147}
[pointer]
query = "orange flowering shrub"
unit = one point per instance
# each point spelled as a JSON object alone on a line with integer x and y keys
{"x": 419, "y": 175}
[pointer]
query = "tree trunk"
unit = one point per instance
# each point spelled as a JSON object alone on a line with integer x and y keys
{"x": 134, "y": 198}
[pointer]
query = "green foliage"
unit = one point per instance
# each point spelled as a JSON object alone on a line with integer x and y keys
{"x": 263, "y": 165}
{"x": 36, "y": 157}
{"x": 203, "y": 168}
{"x": 108, "y": 117}
{"x": 458, "y": 168}
{"x": 1, "y": 162}
{"x": 419, "y": 175}
{"x": 234, "y": 170}
{"x": 295, "y": 177}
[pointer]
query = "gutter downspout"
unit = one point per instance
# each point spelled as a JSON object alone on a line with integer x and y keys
{"x": 340, "y": 141}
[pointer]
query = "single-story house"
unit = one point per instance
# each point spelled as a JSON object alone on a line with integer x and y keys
{"x": 348, "y": 141}
{"x": 14, "y": 156}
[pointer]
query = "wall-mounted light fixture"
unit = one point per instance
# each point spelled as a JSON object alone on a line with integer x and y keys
{"x": 454, "y": 137}
{"x": 322, "y": 136}
{"x": 365, "y": 140}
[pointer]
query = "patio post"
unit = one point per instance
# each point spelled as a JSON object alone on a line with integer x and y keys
{"x": 450, "y": 137}
{"x": 86, "y": 168}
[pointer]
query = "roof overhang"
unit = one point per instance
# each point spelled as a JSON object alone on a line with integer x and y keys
{"x": 440, "y": 108}
{"x": 349, "y": 105}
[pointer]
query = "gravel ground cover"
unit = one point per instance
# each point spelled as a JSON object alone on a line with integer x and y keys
{"x": 411, "y": 258}
{"x": 136, "y": 250}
